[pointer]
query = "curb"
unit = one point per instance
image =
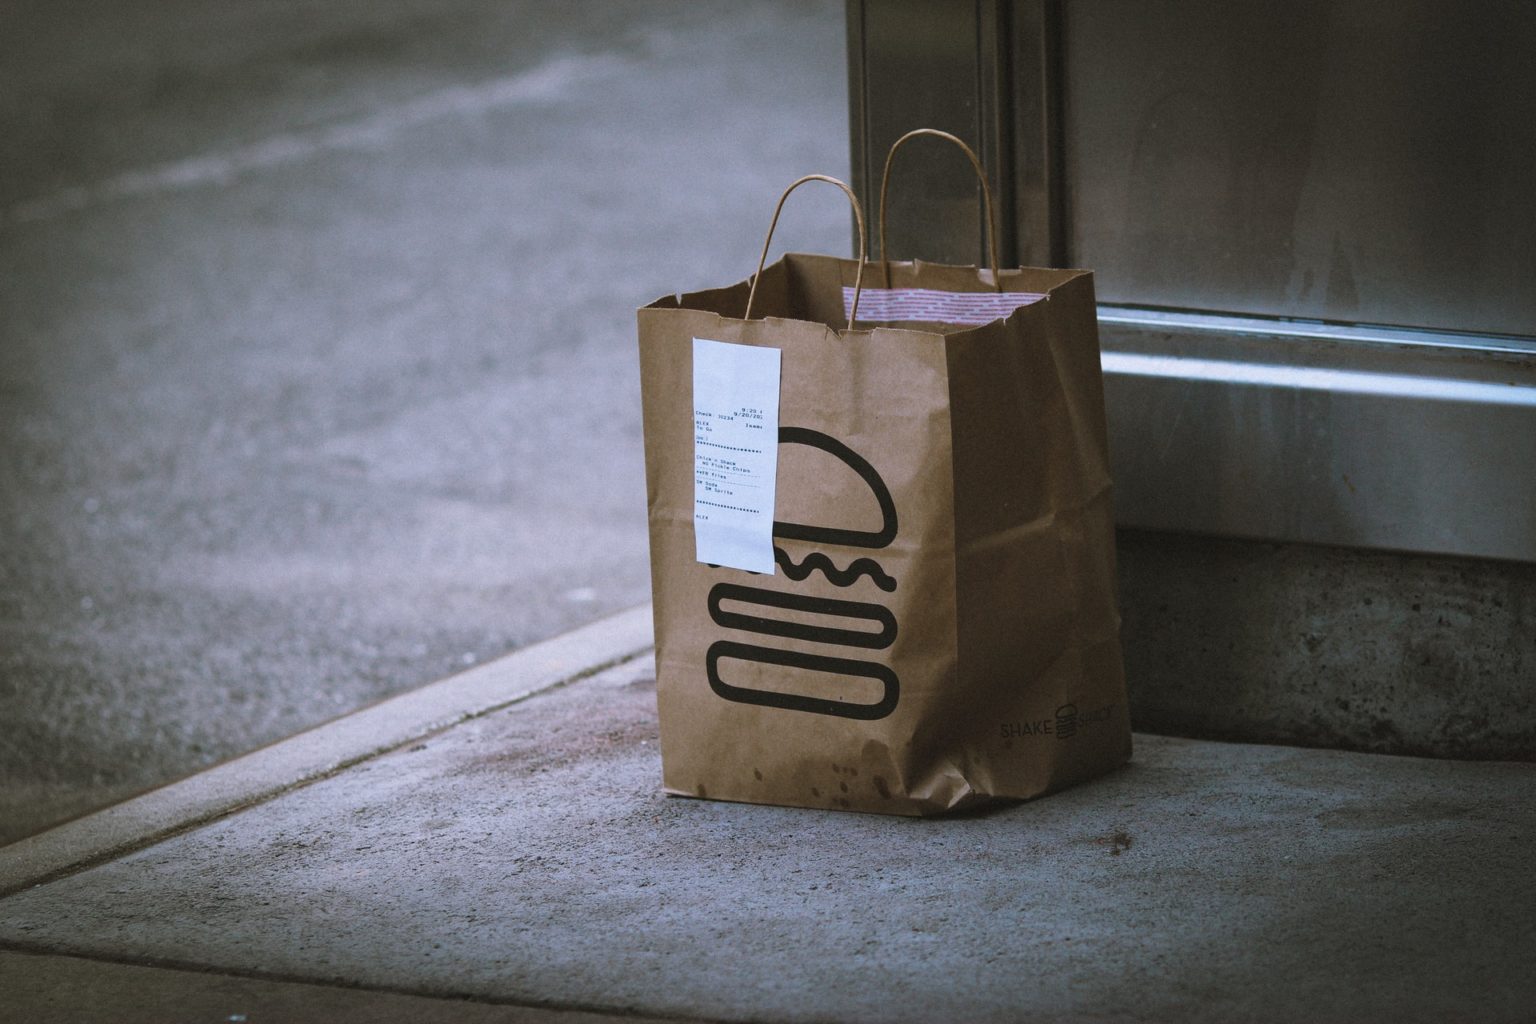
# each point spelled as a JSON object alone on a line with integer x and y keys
{"x": 323, "y": 751}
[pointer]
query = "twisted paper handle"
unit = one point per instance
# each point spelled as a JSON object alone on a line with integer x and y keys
{"x": 986, "y": 192}
{"x": 858, "y": 216}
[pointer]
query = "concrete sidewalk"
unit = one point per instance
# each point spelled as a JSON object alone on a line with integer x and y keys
{"x": 511, "y": 858}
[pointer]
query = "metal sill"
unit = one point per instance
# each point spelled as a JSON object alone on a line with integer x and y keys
{"x": 1360, "y": 436}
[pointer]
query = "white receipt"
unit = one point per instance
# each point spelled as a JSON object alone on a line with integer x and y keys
{"x": 735, "y": 453}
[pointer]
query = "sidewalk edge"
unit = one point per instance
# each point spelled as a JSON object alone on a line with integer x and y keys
{"x": 322, "y": 751}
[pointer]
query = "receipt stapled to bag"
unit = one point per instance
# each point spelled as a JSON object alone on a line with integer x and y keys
{"x": 735, "y": 453}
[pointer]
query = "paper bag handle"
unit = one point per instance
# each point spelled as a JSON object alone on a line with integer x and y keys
{"x": 986, "y": 192}
{"x": 858, "y": 216}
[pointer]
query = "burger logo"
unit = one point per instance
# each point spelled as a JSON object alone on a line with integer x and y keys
{"x": 865, "y": 626}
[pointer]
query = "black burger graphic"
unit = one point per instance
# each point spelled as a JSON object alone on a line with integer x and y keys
{"x": 865, "y": 625}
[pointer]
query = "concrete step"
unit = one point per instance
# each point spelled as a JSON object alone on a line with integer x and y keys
{"x": 1379, "y": 651}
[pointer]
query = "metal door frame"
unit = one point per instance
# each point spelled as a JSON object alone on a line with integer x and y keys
{"x": 1264, "y": 428}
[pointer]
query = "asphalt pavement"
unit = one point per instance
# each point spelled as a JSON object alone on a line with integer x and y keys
{"x": 317, "y": 357}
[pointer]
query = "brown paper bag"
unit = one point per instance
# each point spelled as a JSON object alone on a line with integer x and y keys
{"x": 941, "y": 629}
